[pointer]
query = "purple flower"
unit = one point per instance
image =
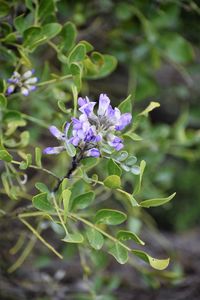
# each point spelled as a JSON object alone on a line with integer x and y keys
{"x": 94, "y": 152}
{"x": 123, "y": 121}
{"x": 53, "y": 150}
{"x": 60, "y": 136}
{"x": 92, "y": 131}
{"x": 104, "y": 103}
{"x": 115, "y": 142}
{"x": 56, "y": 132}
{"x": 25, "y": 82}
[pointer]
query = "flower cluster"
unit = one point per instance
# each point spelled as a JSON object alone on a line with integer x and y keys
{"x": 92, "y": 131}
{"x": 25, "y": 83}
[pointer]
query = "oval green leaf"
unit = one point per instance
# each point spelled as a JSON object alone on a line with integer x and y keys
{"x": 5, "y": 156}
{"x": 112, "y": 182}
{"x": 113, "y": 168}
{"x": 95, "y": 238}
{"x": 158, "y": 264}
{"x": 156, "y": 201}
{"x": 84, "y": 200}
{"x": 124, "y": 235}
{"x": 41, "y": 202}
{"x": 126, "y": 105}
{"x": 119, "y": 253}
{"x": 110, "y": 217}
{"x": 77, "y": 54}
{"x": 75, "y": 238}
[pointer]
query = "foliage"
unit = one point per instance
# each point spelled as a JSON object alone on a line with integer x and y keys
{"x": 101, "y": 205}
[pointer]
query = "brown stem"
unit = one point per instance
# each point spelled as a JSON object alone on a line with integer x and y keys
{"x": 75, "y": 162}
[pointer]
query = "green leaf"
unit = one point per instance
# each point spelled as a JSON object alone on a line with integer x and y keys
{"x": 112, "y": 182}
{"x": 33, "y": 36}
{"x": 5, "y": 182}
{"x": 8, "y": 56}
{"x": 22, "y": 22}
{"x": 126, "y": 105}
{"x": 73, "y": 238}
{"x": 135, "y": 170}
{"x": 38, "y": 156}
{"x": 25, "y": 164}
{"x": 131, "y": 160}
{"x": 5, "y": 156}
{"x": 129, "y": 197}
{"x": 75, "y": 69}
{"x": 87, "y": 45}
{"x": 24, "y": 139}
{"x": 89, "y": 162}
{"x": 158, "y": 264}
{"x": 84, "y": 200}
{"x": 3, "y": 101}
{"x": 149, "y": 108}
{"x": 71, "y": 150}
{"x": 42, "y": 187}
{"x": 133, "y": 136}
{"x": 68, "y": 36}
{"x": 2, "y": 86}
{"x": 156, "y": 201}
{"x": 119, "y": 253}
{"x": 77, "y": 54}
{"x": 46, "y": 8}
{"x": 66, "y": 194}
{"x": 41, "y": 202}
{"x": 121, "y": 156}
{"x": 62, "y": 106}
{"x": 95, "y": 238}
{"x": 4, "y": 9}
{"x": 94, "y": 71}
{"x": 110, "y": 217}
{"x": 176, "y": 48}
{"x": 124, "y": 235}
{"x": 113, "y": 168}
{"x": 139, "y": 182}
{"x": 97, "y": 58}
{"x": 50, "y": 30}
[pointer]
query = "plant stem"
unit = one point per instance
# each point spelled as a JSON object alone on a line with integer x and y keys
{"x": 35, "y": 120}
{"x": 75, "y": 162}
{"x": 37, "y": 168}
{"x": 36, "y": 233}
{"x": 54, "y": 80}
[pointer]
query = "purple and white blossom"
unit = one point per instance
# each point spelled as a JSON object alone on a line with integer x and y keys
{"x": 25, "y": 83}
{"x": 92, "y": 131}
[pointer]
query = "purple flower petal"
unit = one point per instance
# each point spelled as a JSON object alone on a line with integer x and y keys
{"x": 124, "y": 120}
{"x": 74, "y": 141}
{"x": 56, "y": 132}
{"x": 76, "y": 123}
{"x": 94, "y": 152}
{"x": 87, "y": 109}
{"x": 81, "y": 101}
{"x": 115, "y": 142}
{"x": 104, "y": 102}
{"x": 10, "y": 89}
{"x": 24, "y": 91}
{"x": 31, "y": 88}
{"x": 53, "y": 150}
